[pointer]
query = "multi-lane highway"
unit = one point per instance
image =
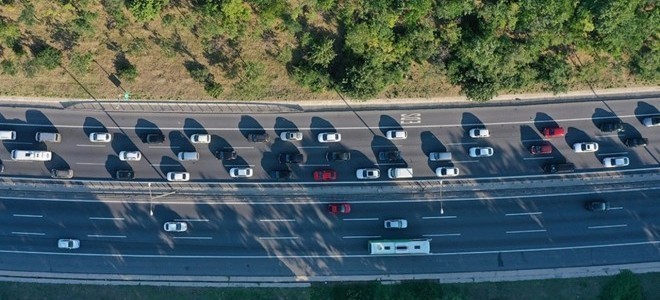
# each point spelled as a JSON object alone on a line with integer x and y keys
{"x": 471, "y": 226}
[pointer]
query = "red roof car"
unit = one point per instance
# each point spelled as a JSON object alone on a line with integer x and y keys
{"x": 325, "y": 175}
{"x": 554, "y": 132}
{"x": 339, "y": 208}
{"x": 540, "y": 149}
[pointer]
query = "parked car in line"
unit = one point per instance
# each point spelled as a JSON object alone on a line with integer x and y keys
{"x": 329, "y": 137}
{"x": 396, "y": 135}
{"x": 439, "y": 156}
{"x": 178, "y": 176}
{"x": 225, "y": 154}
{"x": 615, "y": 126}
{"x": 68, "y": 244}
{"x": 325, "y": 175}
{"x": 396, "y": 224}
{"x": 291, "y": 158}
{"x": 585, "y": 147}
{"x": 291, "y": 136}
{"x": 259, "y": 137}
{"x": 9, "y": 135}
{"x": 61, "y": 173}
{"x": 198, "y": 138}
{"x": 618, "y": 161}
{"x": 339, "y": 208}
{"x": 48, "y": 137}
{"x": 597, "y": 205}
{"x": 389, "y": 155}
{"x": 155, "y": 138}
{"x": 636, "y": 141}
{"x": 367, "y": 173}
{"x": 540, "y": 149}
{"x": 175, "y": 226}
{"x": 124, "y": 175}
{"x": 280, "y": 174}
{"x": 551, "y": 132}
{"x": 565, "y": 167}
{"x": 241, "y": 172}
{"x": 446, "y": 171}
{"x": 651, "y": 121}
{"x": 479, "y": 133}
{"x": 337, "y": 156}
{"x": 100, "y": 137}
{"x": 481, "y": 151}
{"x": 130, "y": 155}
{"x": 188, "y": 156}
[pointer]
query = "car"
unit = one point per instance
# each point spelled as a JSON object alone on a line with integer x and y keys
{"x": 325, "y": 175}
{"x": 651, "y": 121}
{"x": 61, "y": 173}
{"x": 291, "y": 158}
{"x": 155, "y": 138}
{"x": 396, "y": 134}
{"x": 291, "y": 136}
{"x": 130, "y": 155}
{"x": 439, "y": 156}
{"x": 540, "y": 149}
{"x": 175, "y": 226}
{"x": 2, "y": 167}
{"x": 124, "y": 175}
{"x": 446, "y": 172}
{"x": 100, "y": 137}
{"x": 389, "y": 155}
{"x": 339, "y": 208}
{"x": 616, "y": 126}
{"x": 259, "y": 137}
{"x": 585, "y": 147}
{"x": 367, "y": 173}
{"x": 617, "y": 161}
{"x": 396, "y": 224}
{"x": 280, "y": 174}
{"x": 68, "y": 244}
{"x": 225, "y": 154}
{"x": 178, "y": 176}
{"x": 479, "y": 133}
{"x": 597, "y": 205}
{"x": 200, "y": 138}
{"x": 241, "y": 172}
{"x": 636, "y": 141}
{"x": 337, "y": 156}
{"x": 329, "y": 137}
{"x": 481, "y": 151}
{"x": 564, "y": 167}
{"x": 551, "y": 132}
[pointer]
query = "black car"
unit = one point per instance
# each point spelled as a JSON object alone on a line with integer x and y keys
{"x": 124, "y": 175}
{"x": 61, "y": 173}
{"x": 616, "y": 126}
{"x": 559, "y": 168}
{"x": 597, "y": 205}
{"x": 636, "y": 142}
{"x": 291, "y": 158}
{"x": 280, "y": 174}
{"x": 338, "y": 156}
{"x": 259, "y": 137}
{"x": 155, "y": 138}
{"x": 226, "y": 154}
{"x": 389, "y": 155}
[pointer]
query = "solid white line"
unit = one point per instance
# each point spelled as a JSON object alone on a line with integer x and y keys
{"x": 526, "y": 231}
{"x": 28, "y": 216}
{"x": 524, "y": 214}
{"x": 468, "y": 143}
{"x": 279, "y": 238}
{"x": 607, "y": 135}
{"x": 442, "y": 234}
{"x": 28, "y": 233}
{"x": 615, "y": 208}
{"x": 106, "y": 236}
{"x": 251, "y": 147}
{"x": 608, "y": 226}
{"x": 390, "y": 164}
{"x": 442, "y": 217}
{"x": 277, "y": 220}
{"x": 165, "y": 165}
{"x": 102, "y": 218}
{"x": 361, "y": 219}
{"x": 312, "y": 147}
{"x": 535, "y": 158}
{"x": 163, "y": 147}
{"x": 192, "y": 220}
{"x": 91, "y": 164}
{"x": 615, "y": 153}
{"x": 361, "y": 237}
{"x": 192, "y": 237}
{"x": 238, "y": 166}
{"x": 84, "y": 145}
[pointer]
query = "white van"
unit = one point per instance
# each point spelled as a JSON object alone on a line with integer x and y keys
{"x": 31, "y": 155}
{"x": 51, "y": 137}
{"x": 396, "y": 173}
{"x": 7, "y": 135}
{"x": 184, "y": 156}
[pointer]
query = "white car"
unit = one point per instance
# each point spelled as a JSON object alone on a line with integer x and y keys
{"x": 329, "y": 137}
{"x": 241, "y": 172}
{"x": 175, "y": 226}
{"x": 619, "y": 161}
{"x": 479, "y": 133}
{"x": 68, "y": 244}
{"x": 200, "y": 138}
{"x": 396, "y": 224}
{"x": 100, "y": 137}
{"x": 291, "y": 136}
{"x": 396, "y": 135}
{"x": 178, "y": 176}
{"x": 651, "y": 121}
{"x": 130, "y": 155}
{"x": 368, "y": 173}
{"x": 481, "y": 151}
{"x": 585, "y": 147}
{"x": 446, "y": 172}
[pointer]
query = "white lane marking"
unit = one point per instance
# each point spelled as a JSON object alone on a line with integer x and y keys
{"x": 18, "y": 143}
{"x": 278, "y": 238}
{"x": 106, "y": 236}
{"x": 192, "y": 220}
{"x": 524, "y": 214}
{"x": 102, "y": 218}
{"x": 314, "y": 165}
{"x": 85, "y": 145}
{"x": 536, "y": 158}
{"x": 465, "y": 161}
{"x": 277, "y": 220}
{"x": 90, "y": 164}
{"x": 615, "y": 153}
{"x": 248, "y": 147}
{"x": 607, "y": 135}
{"x": 192, "y": 237}
{"x": 390, "y": 164}
{"x": 238, "y": 166}
{"x": 361, "y": 237}
{"x": 27, "y": 233}
{"x": 28, "y": 216}
{"x": 608, "y": 226}
{"x": 526, "y": 231}
{"x": 361, "y": 219}
{"x": 467, "y": 143}
{"x": 164, "y": 147}
{"x": 441, "y": 217}
{"x": 442, "y": 234}
{"x": 615, "y": 208}
{"x": 166, "y": 165}
{"x": 312, "y": 147}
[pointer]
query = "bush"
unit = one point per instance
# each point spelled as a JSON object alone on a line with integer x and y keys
{"x": 8, "y": 67}
{"x": 146, "y": 10}
{"x": 48, "y": 57}
{"x": 213, "y": 88}
{"x": 9, "y": 32}
{"x": 27, "y": 15}
{"x": 624, "y": 286}
{"x": 80, "y": 62}
{"x": 128, "y": 72}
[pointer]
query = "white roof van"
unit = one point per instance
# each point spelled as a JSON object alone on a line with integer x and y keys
{"x": 7, "y": 135}
{"x": 396, "y": 173}
{"x": 31, "y": 155}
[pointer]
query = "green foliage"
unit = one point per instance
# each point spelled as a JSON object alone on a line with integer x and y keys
{"x": 114, "y": 9}
{"x": 27, "y": 15}
{"x": 8, "y": 67}
{"x": 252, "y": 84}
{"x": 624, "y": 286}
{"x": 80, "y": 62}
{"x": 270, "y": 10}
{"x": 137, "y": 46}
{"x": 555, "y": 72}
{"x": 48, "y": 57}
{"x": 83, "y": 23}
{"x": 322, "y": 53}
{"x": 127, "y": 71}
{"x": 146, "y": 10}
{"x": 168, "y": 19}
{"x": 646, "y": 62}
{"x": 213, "y": 88}
{"x": 10, "y": 33}
{"x": 229, "y": 18}
{"x": 31, "y": 68}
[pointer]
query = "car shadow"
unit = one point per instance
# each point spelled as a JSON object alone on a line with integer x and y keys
{"x": 543, "y": 121}
{"x": 469, "y": 121}
{"x": 144, "y": 128}
{"x": 644, "y": 110}
{"x": 91, "y": 125}
{"x": 387, "y": 123}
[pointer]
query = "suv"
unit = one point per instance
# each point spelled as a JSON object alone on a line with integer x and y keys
{"x": 636, "y": 141}
{"x": 597, "y": 205}
{"x": 559, "y": 168}
{"x": 280, "y": 174}
{"x": 338, "y": 156}
{"x": 155, "y": 138}
{"x": 291, "y": 158}
{"x": 226, "y": 154}
{"x": 124, "y": 175}
{"x": 259, "y": 137}
{"x": 389, "y": 155}
{"x": 611, "y": 126}
{"x": 554, "y": 132}
{"x": 64, "y": 173}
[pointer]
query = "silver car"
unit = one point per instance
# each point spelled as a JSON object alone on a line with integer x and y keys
{"x": 481, "y": 151}
{"x": 68, "y": 244}
{"x": 130, "y": 155}
{"x": 175, "y": 226}
{"x": 396, "y": 224}
{"x": 368, "y": 173}
{"x": 329, "y": 137}
{"x": 100, "y": 137}
{"x": 178, "y": 176}
{"x": 241, "y": 172}
{"x": 200, "y": 138}
{"x": 446, "y": 172}
{"x": 291, "y": 136}
{"x": 620, "y": 161}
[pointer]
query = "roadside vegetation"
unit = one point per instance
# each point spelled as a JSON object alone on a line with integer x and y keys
{"x": 310, "y": 49}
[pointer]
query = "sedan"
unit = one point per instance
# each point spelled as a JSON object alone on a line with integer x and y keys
{"x": 585, "y": 147}
{"x": 130, "y": 155}
{"x": 100, "y": 137}
{"x": 396, "y": 135}
{"x": 200, "y": 138}
{"x": 636, "y": 141}
{"x": 368, "y": 173}
{"x": 481, "y": 151}
{"x": 175, "y": 226}
{"x": 396, "y": 224}
{"x": 68, "y": 244}
{"x": 550, "y": 132}
{"x": 124, "y": 175}
{"x": 291, "y": 158}
{"x": 446, "y": 172}
{"x": 329, "y": 137}
{"x": 619, "y": 161}
{"x": 325, "y": 175}
{"x": 651, "y": 121}
{"x": 540, "y": 149}
{"x": 597, "y": 205}
{"x": 389, "y": 155}
{"x": 339, "y": 208}
{"x": 241, "y": 172}
{"x": 616, "y": 126}
{"x": 291, "y": 136}
{"x": 338, "y": 156}
{"x": 178, "y": 176}
{"x": 479, "y": 133}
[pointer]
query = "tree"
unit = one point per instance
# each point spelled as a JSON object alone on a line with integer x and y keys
{"x": 146, "y": 10}
{"x": 624, "y": 286}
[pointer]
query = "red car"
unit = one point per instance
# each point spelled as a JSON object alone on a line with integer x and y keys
{"x": 339, "y": 208}
{"x": 554, "y": 132}
{"x": 540, "y": 149}
{"x": 325, "y": 175}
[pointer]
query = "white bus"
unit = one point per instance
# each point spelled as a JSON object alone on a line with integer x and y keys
{"x": 416, "y": 246}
